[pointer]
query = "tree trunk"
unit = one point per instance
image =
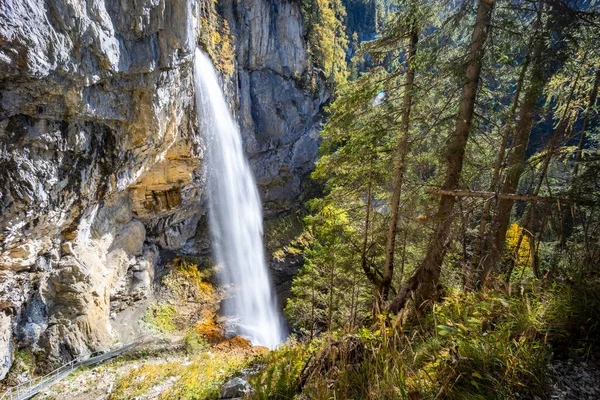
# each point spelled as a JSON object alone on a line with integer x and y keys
{"x": 399, "y": 161}
{"x": 370, "y": 274}
{"x": 423, "y": 284}
{"x": 569, "y": 213}
{"x": 507, "y": 130}
{"x": 586, "y": 122}
{"x": 512, "y": 180}
{"x": 516, "y": 162}
{"x": 514, "y": 197}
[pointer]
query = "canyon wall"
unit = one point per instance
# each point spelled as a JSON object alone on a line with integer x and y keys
{"x": 280, "y": 95}
{"x": 101, "y": 158}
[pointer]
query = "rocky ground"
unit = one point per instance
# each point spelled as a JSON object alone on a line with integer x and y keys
{"x": 163, "y": 369}
{"x": 576, "y": 380}
{"x": 98, "y": 382}
{"x": 185, "y": 353}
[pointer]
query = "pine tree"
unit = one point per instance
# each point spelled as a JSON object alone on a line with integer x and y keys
{"x": 424, "y": 281}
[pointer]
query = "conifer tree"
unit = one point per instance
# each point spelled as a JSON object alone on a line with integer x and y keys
{"x": 423, "y": 283}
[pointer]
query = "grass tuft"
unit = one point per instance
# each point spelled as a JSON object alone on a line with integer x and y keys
{"x": 160, "y": 317}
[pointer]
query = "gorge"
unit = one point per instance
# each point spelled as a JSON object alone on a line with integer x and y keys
{"x": 98, "y": 136}
{"x": 299, "y": 199}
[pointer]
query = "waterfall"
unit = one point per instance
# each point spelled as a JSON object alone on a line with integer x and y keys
{"x": 235, "y": 214}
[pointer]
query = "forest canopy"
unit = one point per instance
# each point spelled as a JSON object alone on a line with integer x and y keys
{"x": 460, "y": 167}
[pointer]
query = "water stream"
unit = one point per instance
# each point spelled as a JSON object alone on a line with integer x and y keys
{"x": 235, "y": 214}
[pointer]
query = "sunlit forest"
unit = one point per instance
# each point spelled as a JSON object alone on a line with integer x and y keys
{"x": 300, "y": 199}
{"x": 454, "y": 248}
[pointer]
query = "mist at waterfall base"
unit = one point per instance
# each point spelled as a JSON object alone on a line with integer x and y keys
{"x": 235, "y": 215}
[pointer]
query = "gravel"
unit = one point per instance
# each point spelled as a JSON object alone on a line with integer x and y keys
{"x": 575, "y": 380}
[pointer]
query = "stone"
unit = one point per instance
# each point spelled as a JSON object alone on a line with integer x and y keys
{"x": 236, "y": 387}
{"x": 130, "y": 238}
{"x": 6, "y": 345}
{"x": 94, "y": 97}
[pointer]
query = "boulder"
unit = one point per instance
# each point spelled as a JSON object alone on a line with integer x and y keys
{"x": 235, "y": 388}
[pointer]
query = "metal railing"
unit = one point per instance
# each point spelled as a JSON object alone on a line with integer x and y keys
{"x": 35, "y": 385}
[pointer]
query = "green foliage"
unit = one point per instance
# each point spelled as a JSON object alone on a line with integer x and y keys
{"x": 349, "y": 223}
{"x": 489, "y": 347}
{"x": 278, "y": 374}
{"x": 572, "y": 315}
{"x": 473, "y": 346}
{"x": 194, "y": 342}
{"x": 286, "y": 235}
{"x": 24, "y": 364}
{"x": 175, "y": 313}
{"x": 376, "y": 371}
{"x": 26, "y": 358}
{"x": 328, "y": 293}
{"x": 200, "y": 378}
{"x": 362, "y": 130}
{"x": 187, "y": 280}
{"x": 160, "y": 317}
{"x": 326, "y": 37}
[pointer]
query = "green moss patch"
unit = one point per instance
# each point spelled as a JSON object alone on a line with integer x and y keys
{"x": 160, "y": 317}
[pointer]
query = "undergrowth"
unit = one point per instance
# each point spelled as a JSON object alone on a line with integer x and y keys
{"x": 200, "y": 378}
{"x": 471, "y": 346}
{"x": 278, "y": 372}
{"x": 160, "y": 317}
{"x": 286, "y": 236}
{"x": 187, "y": 281}
{"x": 186, "y": 296}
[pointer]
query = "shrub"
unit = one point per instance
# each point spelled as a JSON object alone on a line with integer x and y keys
{"x": 160, "y": 317}
{"x": 194, "y": 342}
{"x": 278, "y": 373}
{"x": 472, "y": 346}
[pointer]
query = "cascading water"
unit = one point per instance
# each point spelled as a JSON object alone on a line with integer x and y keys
{"x": 235, "y": 214}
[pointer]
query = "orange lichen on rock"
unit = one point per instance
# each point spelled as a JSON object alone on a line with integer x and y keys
{"x": 240, "y": 344}
{"x": 236, "y": 342}
{"x": 209, "y": 330}
{"x": 260, "y": 350}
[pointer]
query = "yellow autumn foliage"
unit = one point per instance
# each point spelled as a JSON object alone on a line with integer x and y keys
{"x": 514, "y": 235}
{"x": 199, "y": 378}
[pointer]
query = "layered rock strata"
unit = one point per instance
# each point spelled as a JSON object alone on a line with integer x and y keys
{"x": 99, "y": 164}
{"x": 100, "y": 158}
{"x": 280, "y": 96}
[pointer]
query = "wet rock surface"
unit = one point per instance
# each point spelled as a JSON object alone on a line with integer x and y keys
{"x": 280, "y": 96}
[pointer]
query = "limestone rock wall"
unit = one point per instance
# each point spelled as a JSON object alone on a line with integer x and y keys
{"x": 99, "y": 164}
{"x": 100, "y": 158}
{"x": 279, "y": 94}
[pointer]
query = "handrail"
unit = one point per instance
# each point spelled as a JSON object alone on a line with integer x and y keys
{"x": 35, "y": 385}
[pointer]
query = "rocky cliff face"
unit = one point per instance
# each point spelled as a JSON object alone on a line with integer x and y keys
{"x": 100, "y": 160}
{"x": 280, "y": 95}
{"x": 99, "y": 163}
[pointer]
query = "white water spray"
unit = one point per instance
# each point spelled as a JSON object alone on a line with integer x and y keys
{"x": 235, "y": 214}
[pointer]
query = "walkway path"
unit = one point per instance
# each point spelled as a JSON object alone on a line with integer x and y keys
{"x": 34, "y": 386}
